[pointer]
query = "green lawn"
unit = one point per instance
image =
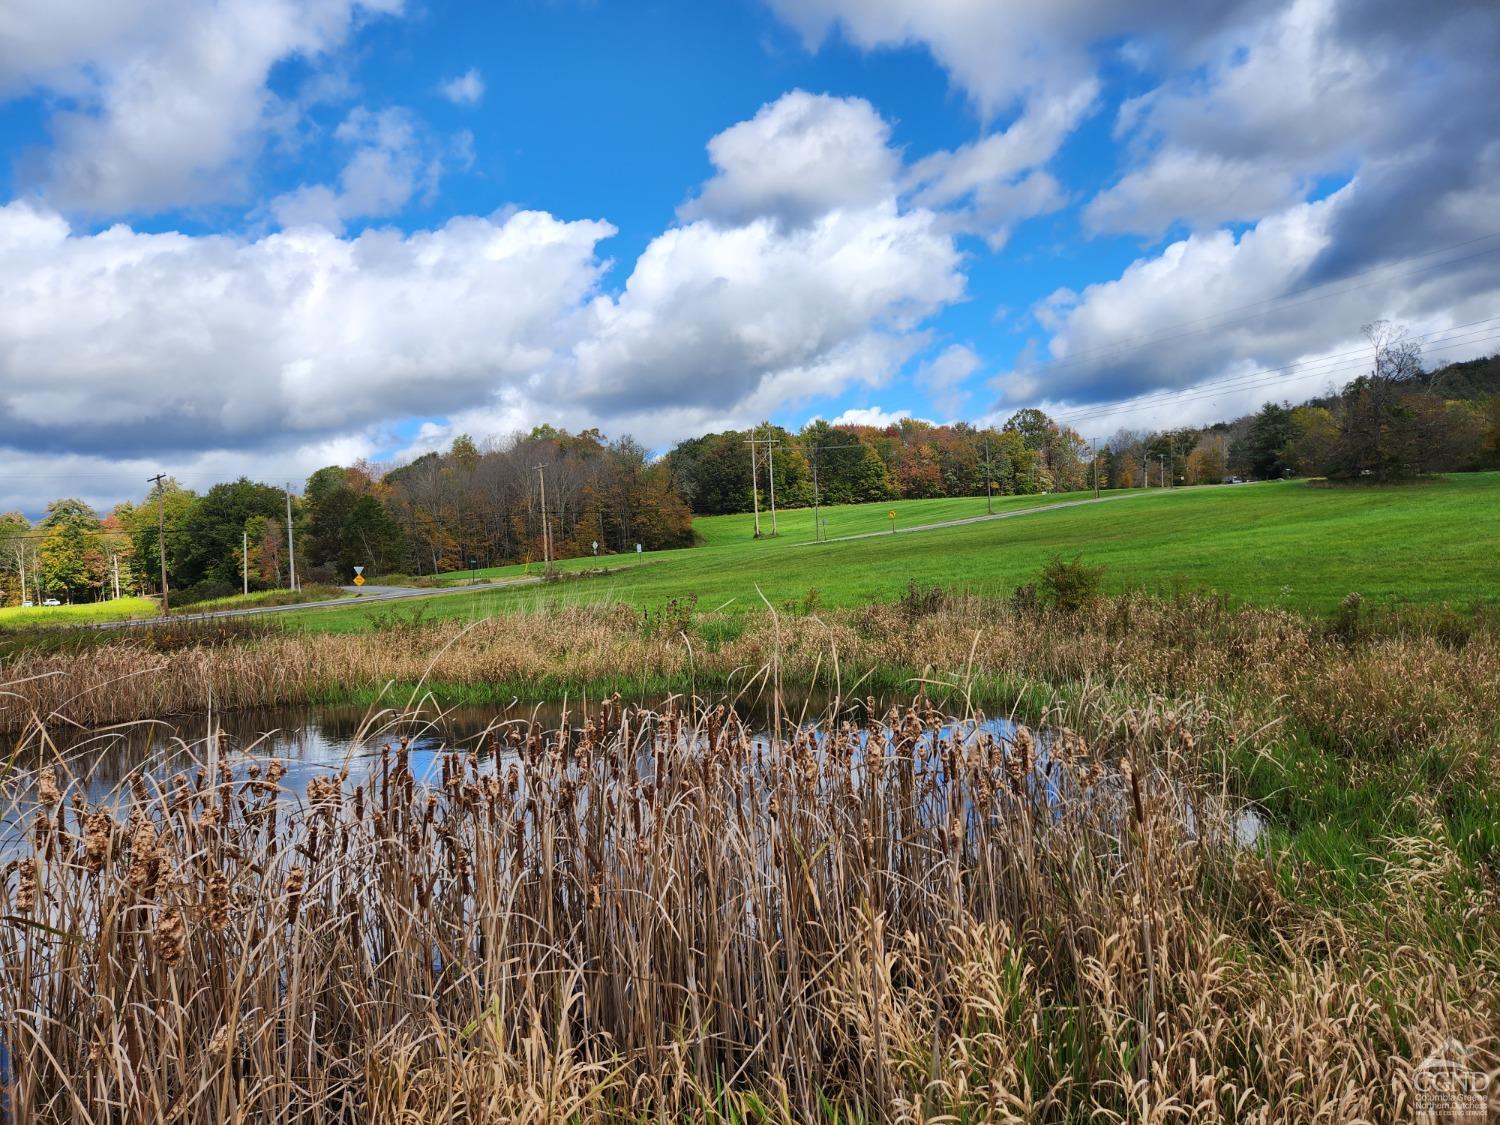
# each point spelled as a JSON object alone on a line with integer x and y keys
{"x": 862, "y": 519}
{"x": 263, "y": 598}
{"x": 1282, "y": 543}
{"x": 87, "y": 613}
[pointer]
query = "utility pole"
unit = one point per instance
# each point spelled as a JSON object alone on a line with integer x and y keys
{"x": 1172, "y": 462}
{"x": 245, "y": 559}
{"x": 817, "y": 527}
{"x": 771, "y": 469}
{"x": 1095, "y": 444}
{"x": 989, "y": 499}
{"x": 755, "y": 484}
{"x": 114, "y": 564}
{"x": 541, "y": 477}
{"x": 161, "y": 536}
{"x": 291, "y": 551}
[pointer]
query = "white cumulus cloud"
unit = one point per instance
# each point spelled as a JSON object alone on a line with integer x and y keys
{"x": 466, "y": 89}
{"x": 162, "y": 104}
{"x": 215, "y": 346}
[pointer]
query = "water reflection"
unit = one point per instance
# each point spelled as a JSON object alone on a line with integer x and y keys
{"x": 312, "y": 742}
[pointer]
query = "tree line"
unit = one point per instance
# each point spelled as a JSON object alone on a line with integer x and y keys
{"x": 481, "y": 505}
{"x": 470, "y": 505}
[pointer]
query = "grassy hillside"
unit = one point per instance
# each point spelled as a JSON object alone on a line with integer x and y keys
{"x": 1281, "y": 543}
{"x": 796, "y": 525}
{"x": 88, "y": 613}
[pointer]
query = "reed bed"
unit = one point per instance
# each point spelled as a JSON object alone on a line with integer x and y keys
{"x": 663, "y": 916}
{"x": 1388, "y": 692}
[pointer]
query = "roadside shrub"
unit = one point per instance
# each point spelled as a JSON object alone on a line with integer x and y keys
{"x": 1070, "y": 586}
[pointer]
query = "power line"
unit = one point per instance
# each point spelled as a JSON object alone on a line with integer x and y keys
{"x": 1196, "y": 394}
{"x": 1325, "y": 365}
{"x": 1350, "y": 369}
{"x": 1189, "y": 327}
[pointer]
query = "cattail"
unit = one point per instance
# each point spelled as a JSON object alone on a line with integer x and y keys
{"x": 220, "y": 1042}
{"x": 145, "y": 859}
{"x": 294, "y": 881}
{"x": 170, "y": 933}
{"x": 218, "y": 901}
{"x": 26, "y": 889}
{"x": 47, "y": 792}
{"x": 96, "y": 842}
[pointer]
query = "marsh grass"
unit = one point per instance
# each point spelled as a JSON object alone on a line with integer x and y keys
{"x": 662, "y": 916}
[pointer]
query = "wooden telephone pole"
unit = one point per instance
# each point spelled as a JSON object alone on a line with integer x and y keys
{"x": 755, "y": 444}
{"x": 754, "y": 484}
{"x": 546, "y": 527}
{"x": 989, "y": 481}
{"x": 161, "y": 536}
{"x": 291, "y": 551}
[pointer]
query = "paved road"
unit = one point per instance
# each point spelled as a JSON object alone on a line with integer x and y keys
{"x": 363, "y": 596}
{"x": 982, "y": 519}
{"x": 372, "y": 593}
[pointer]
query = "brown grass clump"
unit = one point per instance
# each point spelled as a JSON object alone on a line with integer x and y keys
{"x": 1380, "y": 694}
{"x": 662, "y": 916}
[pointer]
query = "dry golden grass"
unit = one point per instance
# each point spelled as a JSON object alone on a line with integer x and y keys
{"x": 655, "y": 917}
{"x": 1386, "y": 695}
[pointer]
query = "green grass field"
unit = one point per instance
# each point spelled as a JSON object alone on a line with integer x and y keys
{"x": 259, "y": 598}
{"x": 88, "y": 613}
{"x": 1281, "y": 543}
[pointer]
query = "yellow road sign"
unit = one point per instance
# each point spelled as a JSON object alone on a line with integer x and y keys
{"x": 892, "y": 515}
{"x": 359, "y": 579}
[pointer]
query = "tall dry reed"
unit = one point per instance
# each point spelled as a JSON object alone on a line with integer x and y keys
{"x": 662, "y": 916}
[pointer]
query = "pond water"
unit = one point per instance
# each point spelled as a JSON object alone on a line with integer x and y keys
{"x": 316, "y": 741}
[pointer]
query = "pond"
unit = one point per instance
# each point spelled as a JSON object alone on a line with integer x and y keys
{"x": 319, "y": 741}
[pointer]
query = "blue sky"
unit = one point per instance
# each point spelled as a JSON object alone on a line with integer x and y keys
{"x": 263, "y": 235}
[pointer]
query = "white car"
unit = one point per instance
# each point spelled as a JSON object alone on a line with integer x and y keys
{"x": 27, "y": 604}
{"x": 51, "y": 601}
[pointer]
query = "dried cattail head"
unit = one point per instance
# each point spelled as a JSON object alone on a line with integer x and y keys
{"x": 323, "y": 791}
{"x": 47, "y": 792}
{"x": 170, "y": 935}
{"x": 145, "y": 859}
{"x": 26, "y": 889}
{"x": 96, "y": 839}
{"x": 294, "y": 882}
{"x": 218, "y": 900}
